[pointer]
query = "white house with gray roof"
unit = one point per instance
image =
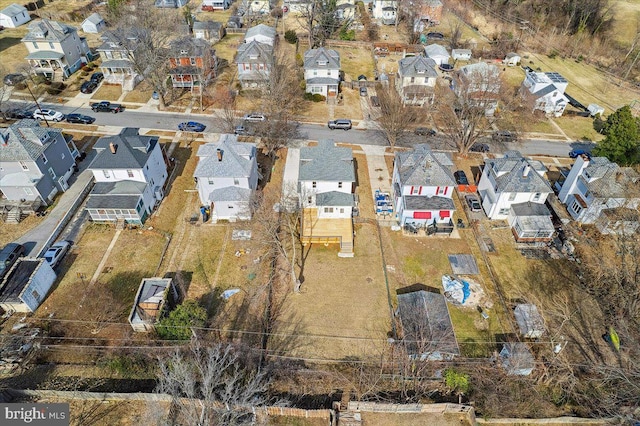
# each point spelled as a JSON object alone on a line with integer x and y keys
{"x": 322, "y": 71}
{"x": 117, "y": 50}
{"x": 261, "y": 33}
{"x": 479, "y": 85}
{"x": 55, "y": 49}
{"x": 416, "y": 80}
{"x": 547, "y": 90}
{"x": 14, "y": 15}
{"x": 226, "y": 177}
{"x": 326, "y": 184}
{"x": 254, "y": 61}
{"x": 595, "y": 185}
{"x": 35, "y": 162}
{"x": 423, "y": 185}
{"x": 511, "y": 180}
{"x": 130, "y": 173}
{"x": 385, "y": 11}
{"x": 93, "y": 24}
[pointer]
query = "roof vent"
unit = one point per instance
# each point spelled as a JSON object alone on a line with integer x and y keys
{"x": 526, "y": 170}
{"x": 113, "y": 147}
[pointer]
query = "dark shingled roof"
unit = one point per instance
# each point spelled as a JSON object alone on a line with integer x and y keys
{"x": 326, "y": 162}
{"x": 132, "y": 150}
{"x": 421, "y": 166}
{"x": 335, "y": 199}
{"x": 413, "y": 202}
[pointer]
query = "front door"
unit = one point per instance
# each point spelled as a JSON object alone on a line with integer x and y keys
{"x": 63, "y": 184}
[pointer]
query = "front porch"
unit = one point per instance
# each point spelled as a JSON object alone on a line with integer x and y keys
{"x": 120, "y": 72}
{"x": 49, "y": 63}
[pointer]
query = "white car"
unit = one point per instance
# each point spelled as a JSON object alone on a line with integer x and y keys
{"x": 48, "y": 114}
{"x": 254, "y": 117}
{"x": 56, "y": 252}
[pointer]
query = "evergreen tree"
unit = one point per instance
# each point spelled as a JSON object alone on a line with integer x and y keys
{"x": 622, "y": 142}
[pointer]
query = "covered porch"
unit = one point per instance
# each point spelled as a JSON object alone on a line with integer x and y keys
{"x": 121, "y": 72}
{"x": 48, "y": 62}
{"x": 531, "y": 223}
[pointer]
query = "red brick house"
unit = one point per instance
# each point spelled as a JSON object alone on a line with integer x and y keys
{"x": 192, "y": 64}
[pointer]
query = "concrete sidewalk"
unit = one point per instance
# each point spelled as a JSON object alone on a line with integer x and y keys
{"x": 378, "y": 173}
{"x": 290, "y": 175}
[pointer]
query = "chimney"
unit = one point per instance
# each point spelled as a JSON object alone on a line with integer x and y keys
{"x": 526, "y": 170}
{"x": 5, "y": 138}
{"x": 219, "y": 154}
{"x": 113, "y": 147}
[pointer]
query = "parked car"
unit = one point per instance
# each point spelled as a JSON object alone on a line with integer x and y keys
{"x": 80, "y": 119}
{"x": 343, "y": 123}
{"x": 425, "y": 131}
{"x": 191, "y": 126}
{"x": 479, "y": 147}
{"x": 8, "y": 256}
{"x": 56, "y": 252}
{"x": 48, "y": 114}
{"x": 89, "y": 86}
{"x": 255, "y": 117}
{"x": 240, "y": 130}
{"x": 13, "y": 79}
{"x": 473, "y": 203}
{"x": 106, "y": 106}
{"x": 461, "y": 177}
{"x": 504, "y": 136}
{"x": 363, "y": 91}
{"x": 435, "y": 35}
{"x": 575, "y": 153}
{"x": 15, "y": 112}
{"x": 97, "y": 77}
{"x": 375, "y": 101}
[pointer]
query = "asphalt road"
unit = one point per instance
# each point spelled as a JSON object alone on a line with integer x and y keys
{"x": 170, "y": 121}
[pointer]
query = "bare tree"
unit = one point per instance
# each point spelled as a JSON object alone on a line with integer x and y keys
{"x": 227, "y": 105}
{"x": 396, "y": 117}
{"x": 212, "y": 385}
{"x": 455, "y": 38}
{"x": 319, "y": 20}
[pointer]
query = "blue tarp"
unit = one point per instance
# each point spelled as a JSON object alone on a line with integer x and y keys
{"x": 455, "y": 289}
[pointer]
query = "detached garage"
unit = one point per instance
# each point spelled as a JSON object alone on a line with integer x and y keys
{"x": 14, "y": 15}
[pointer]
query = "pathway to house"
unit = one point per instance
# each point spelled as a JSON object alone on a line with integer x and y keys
{"x": 290, "y": 176}
{"x": 378, "y": 172}
{"x": 96, "y": 275}
{"x": 554, "y": 124}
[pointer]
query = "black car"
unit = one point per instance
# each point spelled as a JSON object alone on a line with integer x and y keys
{"x": 504, "y": 136}
{"x": 479, "y": 147}
{"x": 89, "y": 86}
{"x": 461, "y": 177}
{"x": 13, "y": 79}
{"x": 8, "y": 256}
{"x": 425, "y": 131}
{"x": 97, "y": 77}
{"x": 79, "y": 118}
{"x": 17, "y": 113}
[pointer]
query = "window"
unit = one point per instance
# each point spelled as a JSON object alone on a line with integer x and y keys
{"x": 536, "y": 196}
{"x": 339, "y": 184}
{"x": 328, "y": 209}
{"x": 78, "y": 47}
{"x": 229, "y": 206}
{"x": 35, "y": 295}
{"x": 210, "y": 181}
{"x": 412, "y": 80}
{"x": 130, "y": 173}
{"x": 236, "y": 181}
{"x": 35, "y": 44}
{"x": 576, "y": 207}
{"x": 503, "y": 211}
{"x": 24, "y": 166}
{"x": 192, "y": 61}
{"x": 441, "y": 190}
{"x": 106, "y": 174}
{"x": 328, "y": 72}
{"x": 44, "y": 159}
{"x": 341, "y": 210}
{"x": 52, "y": 173}
{"x": 512, "y": 196}
{"x": 309, "y": 200}
{"x": 415, "y": 190}
{"x": 28, "y": 191}
{"x": 314, "y": 184}
{"x": 315, "y": 72}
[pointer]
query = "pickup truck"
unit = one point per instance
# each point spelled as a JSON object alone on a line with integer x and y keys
{"x": 105, "y": 106}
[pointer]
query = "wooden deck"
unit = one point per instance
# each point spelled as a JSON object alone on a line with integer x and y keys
{"x": 327, "y": 231}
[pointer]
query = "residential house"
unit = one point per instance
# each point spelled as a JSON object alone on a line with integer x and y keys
{"x": 512, "y": 59}
{"x": 234, "y": 22}
{"x": 385, "y": 11}
{"x": 117, "y": 51}
{"x": 259, "y": 7}
{"x": 326, "y": 184}
{"x": 26, "y": 285}
{"x": 547, "y": 91}
{"x": 130, "y": 173}
{"x": 216, "y": 4}
{"x": 171, "y": 4}
{"x": 192, "y": 63}
{"x": 55, "y": 49}
{"x": 510, "y": 180}
{"x": 155, "y": 298}
{"x": 35, "y": 162}
{"x": 322, "y": 71}
{"x": 93, "y": 24}
{"x": 597, "y": 184}
{"x": 210, "y": 31}
{"x": 461, "y": 54}
{"x": 227, "y": 177}
{"x": 254, "y": 60}
{"x": 430, "y": 10}
{"x": 516, "y": 359}
{"x": 14, "y": 15}
{"x": 438, "y": 53}
{"x": 298, "y": 6}
{"x": 426, "y": 326}
{"x": 479, "y": 85}
{"x": 416, "y": 80}
{"x": 261, "y": 33}
{"x": 345, "y": 10}
{"x": 423, "y": 185}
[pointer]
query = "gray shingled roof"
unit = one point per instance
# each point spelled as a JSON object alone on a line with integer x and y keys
{"x": 48, "y": 30}
{"x": 326, "y": 162}
{"x": 193, "y": 46}
{"x": 95, "y": 18}
{"x": 263, "y": 51}
{"x": 433, "y": 50}
{"x": 207, "y": 25}
{"x": 116, "y": 195}
{"x": 23, "y": 140}
{"x": 123, "y": 187}
{"x": 13, "y": 10}
{"x": 329, "y": 56}
{"x": 335, "y": 199}
{"x": 322, "y": 80}
{"x": 128, "y": 202}
{"x": 131, "y": 150}
{"x": 261, "y": 29}
{"x": 426, "y": 323}
{"x": 423, "y": 167}
{"x": 116, "y": 63}
{"x": 413, "y": 202}
{"x": 230, "y": 193}
{"x": 530, "y": 209}
{"x": 237, "y": 158}
{"x": 414, "y": 66}
{"x": 512, "y": 166}
{"x": 608, "y": 180}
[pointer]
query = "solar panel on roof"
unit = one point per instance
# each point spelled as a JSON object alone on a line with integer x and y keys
{"x": 556, "y": 77}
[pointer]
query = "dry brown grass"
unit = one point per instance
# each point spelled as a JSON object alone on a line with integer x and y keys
{"x": 414, "y": 419}
{"x": 355, "y": 61}
{"x": 141, "y": 94}
{"x": 107, "y": 92}
{"x": 578, "y": 128}
{"x": 13, "y": 51}
{"x": 227, "y": 47}
{"x": 363, "y": 190}
{"x": 11, "y": 231}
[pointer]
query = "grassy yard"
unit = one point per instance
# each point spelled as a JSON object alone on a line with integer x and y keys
{"x": 13, "y": 51}
{"x": 578, "y": 128}
{"x": 11, "y": 231}
{"x": 355, "y": 62}
{"x": 107, "y": 92}
{"x": 141, "y": 94}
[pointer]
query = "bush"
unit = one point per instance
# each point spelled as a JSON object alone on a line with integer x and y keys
{"x": 308, "y": 96}
{"x": 317, "y": 97}
{"x": 177, "y": 326}
{"x": 291, "y": 36}
{"x": 347, "y": 35}
{"x": 299, "y": 60}
{"x": 56, "y": 88}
